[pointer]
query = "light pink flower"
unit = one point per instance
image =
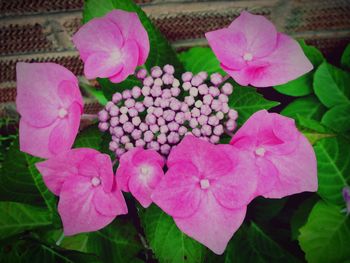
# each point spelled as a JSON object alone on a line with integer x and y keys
{"x": 139, "y": 172}
{"x": 286, "y": 160}
{"x": 89, "y": 196}
{"x": 252, "y": 52}
{"x": 112, "y": 46}
{"x": 206, "y": 190}
{"x": 50, "y": 105}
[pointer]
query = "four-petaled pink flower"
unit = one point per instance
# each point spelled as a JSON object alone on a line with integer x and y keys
{"x": 50, "y": 105}
{"x": 139, "y": 172}
{"x": 206, "y": 190}
{"x": 112, "y": 46}
{"x": 252, "y": 52}
{"x": 286, "y": 160}
{"x": 89, "y": 198}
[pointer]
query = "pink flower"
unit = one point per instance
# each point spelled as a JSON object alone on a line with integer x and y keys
{"x": 206, "y": 190}
{"x": 285, "y": 158}
{"x": 89, "y": 196}
{"x": 112, "y": 46}
{"x": 252, "y": 52}
{"x": 139, "y": 172}
{"x": 50, "y": 105}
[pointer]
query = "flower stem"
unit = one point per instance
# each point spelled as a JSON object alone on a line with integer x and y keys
{"x": 59, "y": 241}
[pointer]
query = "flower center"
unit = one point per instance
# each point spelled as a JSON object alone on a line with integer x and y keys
{"x": 204, "y": 184}
{"x": 248, "y": 56}
{"x": 95, "y": 181}
{"x": 260, "y": 151}
{"x": 62, "y": 112}
{"x": 144, "y": 170}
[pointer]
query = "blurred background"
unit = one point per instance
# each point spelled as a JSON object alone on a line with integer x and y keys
{"x": 40, "y": 30}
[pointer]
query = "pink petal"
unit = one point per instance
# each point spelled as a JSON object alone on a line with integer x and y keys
{"x": 268, "y": 176}
{"x": 101, "y": 65}
{"x": 69, "y": 92}
{"x": 98, "y": 35}
{"x": 211, "y": 224}
{"x": 149, "y": 156}
{"x": 130, "y": 55}
{"x": 142, "y": 187}
{"x": 110, "y": 204}
{"x": 179, "y": 193}
{"x": 35, "y": 141}
{"x": 77, "y": 209}
{"x": 63, "y": 134}
{"x": 259, "y": 32}
{"x": 228, "y": 46}
{"x": 285, "y": 63}
{"x": 58, "y": 168}
{"x": 208, "y": 159}
{"x": 132, "y": 29}
{"x": 236, "y": 188}
{"x": 126, "y": 169}
{"x": 37, "y": 86}
{"x": 297, "y": 171}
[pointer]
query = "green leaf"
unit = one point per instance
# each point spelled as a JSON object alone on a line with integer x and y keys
{"x": 92, "y": 91}
{"x": 199, "y": 59}
{"x": 161, "y": 52}
{"x": 333, "y": 164}
{"x": 325, "y": 237}
{"x": 345, "y": 58}
{"x": 298, "y": 87}
{"x": 332, "y": 85}
{"x": 16, "y": 182}
{"x": 118, "y": 242}
{"x": 308, "y": 107}
{"x": 264, "y": 209}
{"x": 338, "y": 118}
{"x": 168, "y": 243}
{"x": 90, "y": 137}
{"x": 312, "y": 129}
{"x": 303, "y": 85}
{"x": 300, "y": 216}
{"x": 110, "y": 88}
{"x": 31, "y": 250}
{"x": 252, "y": 244}
{"x": 16, "y": 218}
{"x": 246, "y": 101}
{"x": 49, "y": 198}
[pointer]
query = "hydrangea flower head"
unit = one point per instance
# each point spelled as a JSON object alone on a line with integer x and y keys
{"x": 112, "y": 46}
{"x": 50, "y": 105}
{"x": 252, "y": 52}
{"x": 89, "y": 198}
{"x": 159, "y": 114}
{"x": 206, "y": 190}
{"x": 286, "y": 160}
{"x": 139, "y": 172}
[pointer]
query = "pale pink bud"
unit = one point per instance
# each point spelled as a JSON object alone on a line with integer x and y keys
{"x": 148, "y": 136}
{"x": 175, "y": 91}
{"x": 140, "y": 143}
{"x": 123, "y": 118}
{"x": 175, "y": 105}
{"x": 193, "y": 123}
{"x": 136, "y": 120}
{"x": 139, "y": 106}
{"x": 164, "y": 103}
{"x": 194, "y": 92}
{"x": 148, "y": 81}
{"x": 184, "y": 107}
{"x": 109, "y": 105}
{"x": 206, "y": 130}
{"x": 156, "y": 90}
{"x": 205, "y": 109}
{"x": 225, "y": 108}
{"x": 103, "y": 126}
{"x": 188, "y": 115}
{"x": 196, "y": 132}
{"x": 203, "y": 89}
{"x": 223, "y": 98}
{"x": 136, "y": 134}
{"x": 214, "y": 91}
{"x": 158, "y": 82}
{"x": 180, "y": 117}
{"x": 187, "y": 76}
{"x": 117, "y": 97}
{"x": 197, "y": 80}
{"x": 230, "y": 125}
{"x": 148, "y": 101}
{"x": 220, "y": 115}
{"x": 182, "y": 130}
{"x": 165, "y": 149}
{"x": 198, "y": 103}
{"x": 157, "y": 101}
{"x": 136, "y": 92}
{"x": 169, "y": 115}
{"x": 173, "y": 126}
{"x": 202, "y": 119}
{"x": 176, "y": 83}
{"x": 216, "y": 79}
{"x": 195, "y": 112}
{"x": 218, "y": 130}
{"x": 164, "y": 129}
{"x": 154, "y": 128}
{"x": 232, "y": 114}
{"x": 168, "y": 79}
{"x": 216, "y": 105}
{"x": 154, "y": 145}
{"x": 189, "y": 100}
{"x": 150, "y": 110}
{"x": 113, "y": 146}
{"x": 123, "y": 110}
{"x": 141, "y": 74}
{"x": 160, "y": 121}
{"x": 186, "y": 86}
{"x": 126, "y": 94}
{"x": 207, "y": 99}
{"x": 129, "y": 103}
{"x": 156, "y": 72}
{"x": 119, "y": 152}
{"x": 151, "y": 119}
{"x": 146, "y": 90}
{"x": 132, "y": 112}
{"x": 143, "y": 126}
{"x": 129, "y": 146}
{"x": 214, "y": 139}
{"x": 128, "y": 127}
{"x": 114, "y": 121}
{"x": 103, "y": 115}
{"x": 118, "y": 132}
{"x": 203, "y": 75}
{"x": 213, "y": 120}
{"x": 114, "y": 111}
{"x": 227, "y": 89}
{"x": 166, "y": 94}
{"x": 161, "y": 138}
{"x": 124, "y": 139}
{"x": 169, "y": 69}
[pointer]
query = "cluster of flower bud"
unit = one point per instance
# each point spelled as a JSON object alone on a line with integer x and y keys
{"x": 158, "y": 115}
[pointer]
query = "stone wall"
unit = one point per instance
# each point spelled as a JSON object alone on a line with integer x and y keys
{"x": 40, "y": 30}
